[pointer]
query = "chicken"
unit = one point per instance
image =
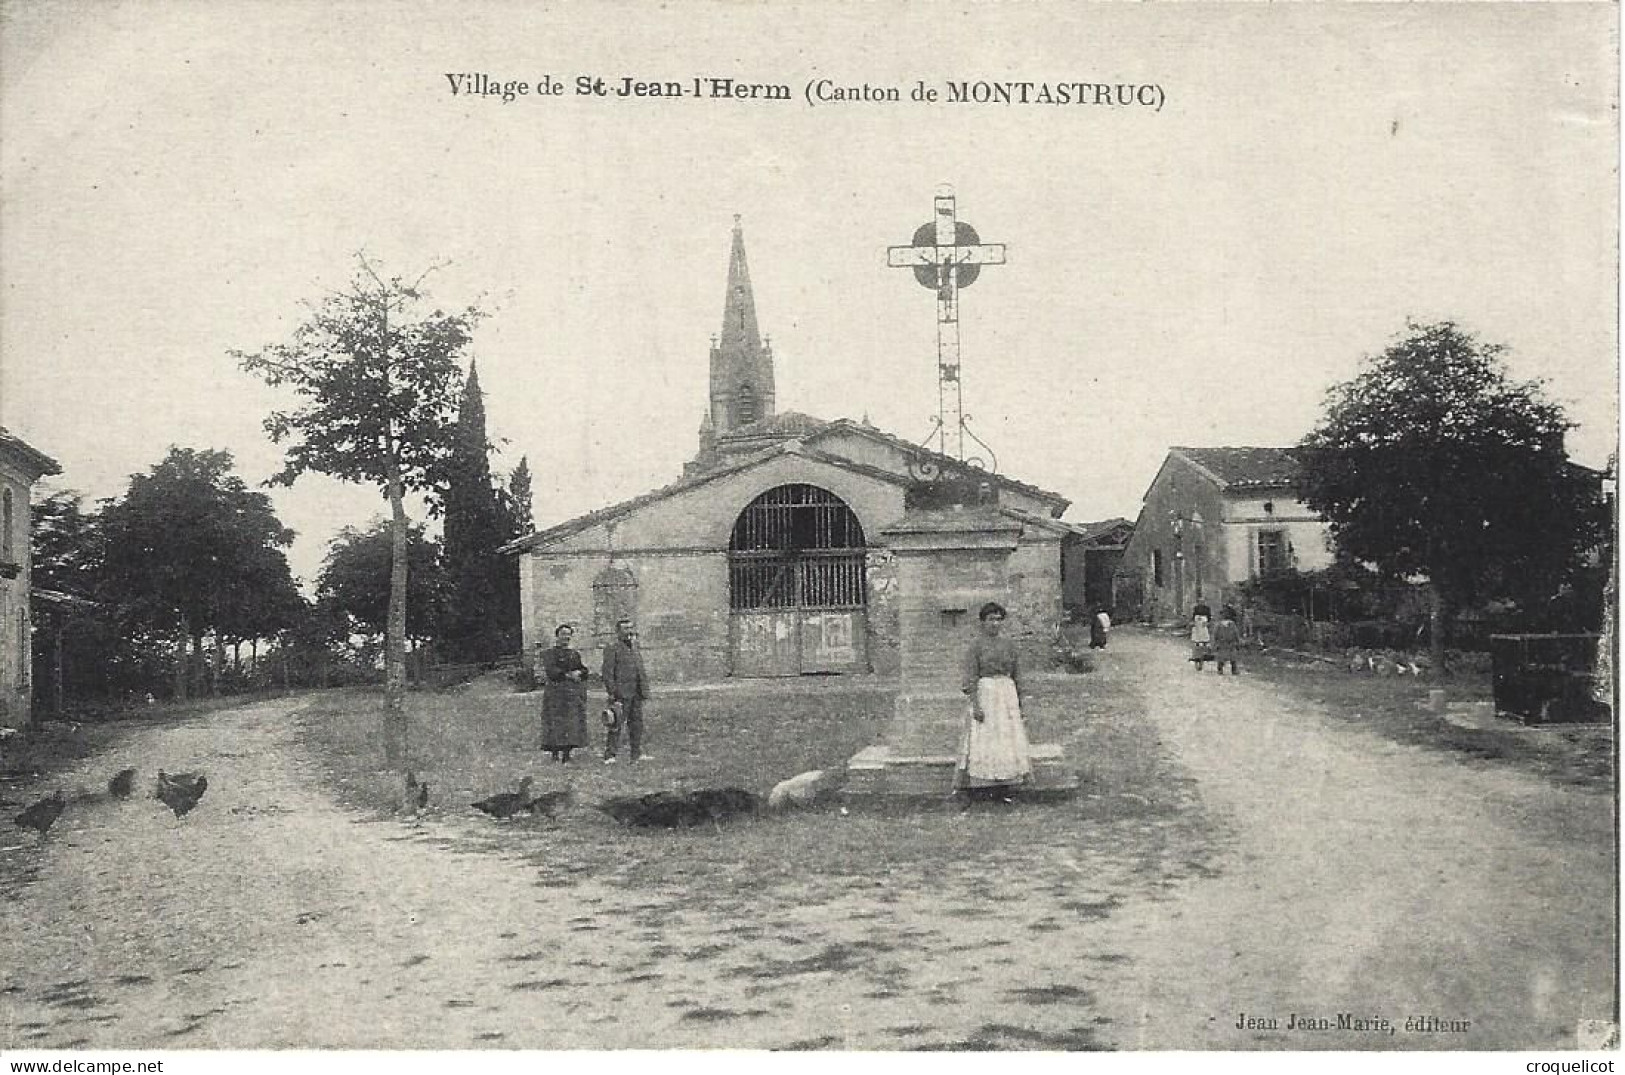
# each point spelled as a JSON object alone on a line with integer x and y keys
{"x": 720, "y": 804}
{"x": 508, "y": 803}
{"x": 804, "y": 789}
{"x": 622, "y": 808}
{"x": 656, "y": 810}
{"x": 42, "y": 815}
{"x": 548, "y": 802}
{"x": 122, "y": 784}
{"x": 417, "y": 793}
{"x": 180, "y": 791}
{"x": 670, "y": 810}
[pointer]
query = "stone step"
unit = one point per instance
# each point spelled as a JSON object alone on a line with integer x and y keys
{"x": 880, "y": 770}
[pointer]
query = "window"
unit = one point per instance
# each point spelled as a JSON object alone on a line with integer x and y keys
{"x": 6, "y": 510}
{"x": 1156, "y": 567}
{"x": 745, "y": 411}
{"x": 1273, "y": 554}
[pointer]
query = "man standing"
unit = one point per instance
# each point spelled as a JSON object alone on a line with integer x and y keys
{"x": 628, "y": 687}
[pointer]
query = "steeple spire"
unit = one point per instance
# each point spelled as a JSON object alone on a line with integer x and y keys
{"x": 739, "y": 330}
{"x": 741, "y": 364}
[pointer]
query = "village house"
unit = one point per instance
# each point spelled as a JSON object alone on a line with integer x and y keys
{"x": 1212, "y": 519}
{"x": 1091, "y": 555}
{"x": 767, "y": 558}
{"x": 20, "y": 467}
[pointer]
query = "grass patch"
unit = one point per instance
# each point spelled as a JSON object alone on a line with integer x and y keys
{"x": 471, "y": 742}
{"x": 1395, "y": 707}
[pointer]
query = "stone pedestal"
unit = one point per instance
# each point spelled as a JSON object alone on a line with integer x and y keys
{"x": 950, "y": 560}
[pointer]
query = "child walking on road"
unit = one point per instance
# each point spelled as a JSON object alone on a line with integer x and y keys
{"x": 1227, "y": 640}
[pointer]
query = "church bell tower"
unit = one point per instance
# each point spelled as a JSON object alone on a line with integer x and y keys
{"x": 741, "y": 364}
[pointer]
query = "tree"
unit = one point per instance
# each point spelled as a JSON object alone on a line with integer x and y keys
{"x": 187, "y": 537}
{"x": 67, "y": 545}
{"x": 517, "y": 523}
{"x": 266, "y": 603}
{"x": 1432, "y": 462}
{"x": 379, "y": 377}
{"x": 475, "y": 527}
{"x": 518, "y": 501}
{"x": 355, "y": 579}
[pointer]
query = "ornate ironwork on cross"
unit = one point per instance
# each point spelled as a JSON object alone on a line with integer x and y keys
{"x": 947, "y": 255}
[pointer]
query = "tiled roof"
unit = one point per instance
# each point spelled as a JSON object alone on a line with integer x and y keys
{"x": 19, "y": 449}
{"x": 1091, "y": 531}
{"x": 1244, "y": 468}
{"x": 937, "y": 457}
{"x": 786, "y": 424}
{"x": 817, "y": 426}
{"x": 625, "y": 507}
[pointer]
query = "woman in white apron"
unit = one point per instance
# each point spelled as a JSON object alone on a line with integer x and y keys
{"x": 994, "y": 758}
{"x": 1201, "y": 636}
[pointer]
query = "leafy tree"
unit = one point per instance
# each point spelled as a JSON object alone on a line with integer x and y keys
{"x": 1432, "y": 462}
{"x": 67, "y": 546}
{"x": 379, "y": 377}
{"x": 187, "y": 536}
{"x": 266, "y": 603}
{"x": 475, "y": 527}
{"x": 355, "y": 579}
{"x": 517, "y": 522}
{"x": 518, "y": 500}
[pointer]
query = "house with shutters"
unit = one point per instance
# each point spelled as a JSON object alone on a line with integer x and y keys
{"x": 1212, "y": 519}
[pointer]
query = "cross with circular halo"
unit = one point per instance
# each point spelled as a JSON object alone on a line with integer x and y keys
{"x": 947, "y": 255}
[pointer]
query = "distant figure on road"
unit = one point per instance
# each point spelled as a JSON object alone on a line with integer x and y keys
{"x": 564, "y": 696}
{"x": 1099, "y": 629}
{"x": 1201, "y": 636}
{"x": 628, "y": 686}
{"x": 994, "y": 757}
{"x": 1227, "y": 640}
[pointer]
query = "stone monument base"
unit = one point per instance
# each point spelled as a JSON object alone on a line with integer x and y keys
{"x": 918, "y": 756}
{"x": 881, "y": 771}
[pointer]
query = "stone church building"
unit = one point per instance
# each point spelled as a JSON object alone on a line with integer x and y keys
{"x": 767, "y": 557}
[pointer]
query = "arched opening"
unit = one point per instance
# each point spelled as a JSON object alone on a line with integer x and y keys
{"x": 745, "y": 406}
{"x": 796, "y": 584}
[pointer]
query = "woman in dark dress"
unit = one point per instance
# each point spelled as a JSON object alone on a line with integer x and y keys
{"x": 564, "y": 697}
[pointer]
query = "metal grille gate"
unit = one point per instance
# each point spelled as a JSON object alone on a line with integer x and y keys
{"x": 796, "y": 586}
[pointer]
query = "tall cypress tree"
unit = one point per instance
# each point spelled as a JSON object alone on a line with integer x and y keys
{"x": 474, "y": 529}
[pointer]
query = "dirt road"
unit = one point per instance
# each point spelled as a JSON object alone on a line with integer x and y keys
{"x": 1369, "y": 879}
{"x": 1365, "y": 879}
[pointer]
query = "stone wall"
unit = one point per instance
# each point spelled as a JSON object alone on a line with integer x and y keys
{"x": 1195, "y": 561}
{"x": 1033, "y": 578}
{"x": 884, "y": 612}
{"x": 680, "y": 605}
{"x": 676, "y": 550}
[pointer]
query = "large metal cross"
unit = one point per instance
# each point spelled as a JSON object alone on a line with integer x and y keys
{"x": 947, "y": 255}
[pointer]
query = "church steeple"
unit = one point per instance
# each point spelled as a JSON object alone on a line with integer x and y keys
{"x": 741, "y": 363}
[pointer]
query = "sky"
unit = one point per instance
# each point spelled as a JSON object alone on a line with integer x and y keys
{"x": 179, "y": 178}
